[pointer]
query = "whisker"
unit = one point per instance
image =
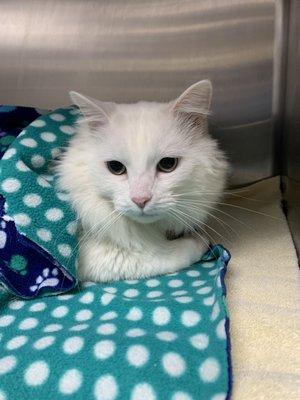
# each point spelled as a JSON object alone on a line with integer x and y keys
{"x": 225, "y": 191}
{"x": 106, "y": 218}
{"x": 83, "y": 237}
{"x": 58, "y": 237}
{"x": 225, "y": 213}
{"x": 242, "y": 208}
{"x": 213, "y": 193}
{"x": 219, "y": 220}
{"x": 190, "y": 227}
{"x": 103, "y": 229}
{"x": 203, "y": 223}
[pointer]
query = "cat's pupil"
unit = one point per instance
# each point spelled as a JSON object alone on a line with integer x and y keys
{"x": 167, "y": 164}
{"x": 116, "y": 167}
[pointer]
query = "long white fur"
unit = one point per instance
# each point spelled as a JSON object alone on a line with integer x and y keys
{"x": 117, "y": 240}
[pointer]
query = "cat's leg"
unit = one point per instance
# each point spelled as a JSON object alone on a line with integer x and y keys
{"x": 106, "y": 261}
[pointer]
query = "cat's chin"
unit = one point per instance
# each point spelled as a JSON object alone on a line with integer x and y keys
{"x": 145, "y": 218}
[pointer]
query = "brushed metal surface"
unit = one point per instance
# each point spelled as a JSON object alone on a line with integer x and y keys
{"x": 292, "y": 124}
{"x": 127, "y": 50}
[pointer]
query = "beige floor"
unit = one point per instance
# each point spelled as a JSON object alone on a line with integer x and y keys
{"x": 263, "y": 297}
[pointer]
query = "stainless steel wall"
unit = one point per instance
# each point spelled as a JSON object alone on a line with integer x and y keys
{"x": 126, "y": 50}
{"x": 292, "y": 124}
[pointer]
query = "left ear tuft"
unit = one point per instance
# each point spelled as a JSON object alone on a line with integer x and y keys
{"x": 95, "y": 112}
{"x": 195, "y": 100}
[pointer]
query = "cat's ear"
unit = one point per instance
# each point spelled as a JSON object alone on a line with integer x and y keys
{"x": 95, "y": 112}
{"x": 194, "y": 101}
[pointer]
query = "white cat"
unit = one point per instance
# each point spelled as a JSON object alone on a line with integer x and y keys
{"x": 139, "y": 175}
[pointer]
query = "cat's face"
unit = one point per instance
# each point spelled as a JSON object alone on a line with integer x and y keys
{"x": 140, "y": 160}
{"x": 143, "y": 155}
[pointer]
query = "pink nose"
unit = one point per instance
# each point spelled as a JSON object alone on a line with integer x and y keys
{"x": 141, "y": 201}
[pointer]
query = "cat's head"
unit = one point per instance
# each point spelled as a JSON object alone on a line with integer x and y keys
{"x": 144, "y": 157}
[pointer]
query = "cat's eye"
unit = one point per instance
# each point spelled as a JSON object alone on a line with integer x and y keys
{"x": 116, "y": 167}
{"x": 167, "y": 164}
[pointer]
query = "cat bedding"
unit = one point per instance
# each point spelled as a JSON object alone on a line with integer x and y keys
{"x": 159, "y": 338}
{"x": 39, "y": 251}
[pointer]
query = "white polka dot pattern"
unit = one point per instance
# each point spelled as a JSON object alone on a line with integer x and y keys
{"x": 73, "y": 345}
{"x": 83, "y": 315}
{"x": 173, "y": 364}
{"x": 106, "y": 388}
{"x": 181, "y": 396}
{"x": 69, "y": 130}
{"x": 11, "y": 185}
{"x": 6, "y": 320}
{"x": 37, "y": 161}
{"x": 161, "y": 316}
{"x": 39, "y": 306}
{"x": 7, "y": 364}
{"x": 16, "y": 304}
{"x": 32, "y": 200}
{"x": 60, "y": 312}
{"x": 143, "y": 391}
{"x": 44, "y": 234}
{"x": 64, "y": 249}
{"x": 16, "y": 342}
{"x": 57, "y": 117}
{"x": 166, "y": 336}
{"x": 106, "y": 329}
{"x": 87, "y": 298}
{"x": 137, "y": 355}
{"x": 70, "y": 382}
{"x": 9, "y": 153}
{"x": 135, "y": 332}
{"x": 200, "y": 341}
{"x": 54, "y": 214}
{"x": 209, "y": 370}
{"x": 38, "y": 123}
{"x": 22, "y": 167}
{"x": 37, "y": 373}
{"x": 190, "y": 318}
{"x": 22, "y": 219}
{"x": 48, "y": 137}
{"x": 44, "y": 342}
{"x": 28, "y": 323}
{"x": 28, "y": 142}
{"x": 134, "y": 314}
{"x": 104, "y": 349}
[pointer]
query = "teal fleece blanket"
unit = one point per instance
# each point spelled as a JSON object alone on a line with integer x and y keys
{"x": 155, "y": 339}
{"x": 165, "y": 338}
{"x": 38, "y": 245}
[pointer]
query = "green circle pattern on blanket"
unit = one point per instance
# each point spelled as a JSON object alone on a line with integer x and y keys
{"x": 40, "y": 211}
{"x": 163, "y": 338}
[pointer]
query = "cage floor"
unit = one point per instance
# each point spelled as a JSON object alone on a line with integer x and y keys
{"x": 263, "y": 295}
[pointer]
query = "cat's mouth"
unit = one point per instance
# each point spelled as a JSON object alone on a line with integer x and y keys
{"x": 172, "y": 235}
